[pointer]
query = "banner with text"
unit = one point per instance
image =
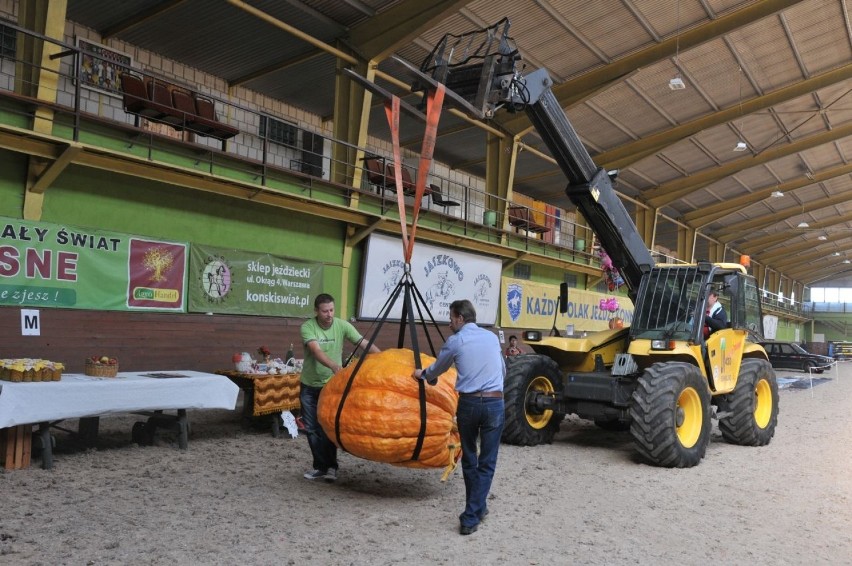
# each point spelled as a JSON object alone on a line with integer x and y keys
{"x": 441, "y": 275}
{"x": 55, "y": 265}
{"x": 241, "y": 282}
{"x": 526, "y": 304}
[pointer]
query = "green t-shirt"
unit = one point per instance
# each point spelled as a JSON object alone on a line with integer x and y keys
{"x": 330, "y": 342}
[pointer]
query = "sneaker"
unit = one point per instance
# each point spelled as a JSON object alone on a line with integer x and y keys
{"x": 468, "y": 530}
{"x": 315, "y": 475}
{"x": 331, "y": 475}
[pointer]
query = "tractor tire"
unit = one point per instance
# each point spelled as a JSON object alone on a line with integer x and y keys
{"x": 670, "y": 415}
{"x": 524, "y": 375}
{"x": 753, "y": 406}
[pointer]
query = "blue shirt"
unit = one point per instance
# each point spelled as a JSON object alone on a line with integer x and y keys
{"x": 478, "y": 358}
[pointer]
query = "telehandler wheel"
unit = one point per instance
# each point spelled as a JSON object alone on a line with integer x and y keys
{"x": 670, "y": 413}
{"x": 527, "y": 376}
{"x": 753, "y": 405}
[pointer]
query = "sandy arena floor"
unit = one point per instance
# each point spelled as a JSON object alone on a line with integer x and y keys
{"x": 237, "y": 497}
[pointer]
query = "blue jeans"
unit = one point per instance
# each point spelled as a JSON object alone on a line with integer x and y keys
{"x": 323, "y": 450}
{"x": 478, "y": 418}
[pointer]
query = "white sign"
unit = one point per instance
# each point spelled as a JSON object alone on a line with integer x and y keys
{"x": 441, "y": 275}
{"x": 770, "y": 326}
{"x": 30, "y": 323}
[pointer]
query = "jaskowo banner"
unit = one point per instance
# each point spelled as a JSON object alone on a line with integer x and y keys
{"x": 56, "y": 265}
{"x": 241, "y": 282}
{"x": 526, "y": 304}
{"x": 442, "y": 275}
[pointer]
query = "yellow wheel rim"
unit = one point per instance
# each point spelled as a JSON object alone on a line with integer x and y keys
{"x": 542, "y": 385}
{"x": 689, "y": 417}
{"x": 762, "y": 403}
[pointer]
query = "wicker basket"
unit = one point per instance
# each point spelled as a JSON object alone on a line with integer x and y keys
{"x": 101, "y": 370}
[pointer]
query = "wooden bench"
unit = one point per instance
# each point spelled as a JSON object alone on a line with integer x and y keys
{"x": 180, "y": 108}
{"x": 521, "y": 217}
{"x": 382, "y": 175}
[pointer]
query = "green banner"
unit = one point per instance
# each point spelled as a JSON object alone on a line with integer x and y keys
{"x": 241, "y": 282}
{"x": 54, "y": 265}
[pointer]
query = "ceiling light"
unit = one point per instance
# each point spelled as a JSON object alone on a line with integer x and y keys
{"x": 677, "y": 84}
{"x": 803, "y": 224}
{"x": 741, "y": 146}
{"x": 836, "y": 253}
{"x": 822, "y": 237}
{"x": 777, "y": 194}
{"x": 846, "y": 261}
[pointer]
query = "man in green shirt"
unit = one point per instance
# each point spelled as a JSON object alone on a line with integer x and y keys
{"x": 323, "y": 338}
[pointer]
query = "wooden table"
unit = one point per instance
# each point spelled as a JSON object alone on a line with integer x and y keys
{"x": 86, "y": 398}
{"x": 266, "y": 394}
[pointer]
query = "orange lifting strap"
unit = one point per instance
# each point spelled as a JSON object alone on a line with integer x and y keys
{"x": 434, "y": 102}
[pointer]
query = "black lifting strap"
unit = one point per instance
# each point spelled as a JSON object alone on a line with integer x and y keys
{"x": 408, "y": 313}
{"x": 386, "y": 311}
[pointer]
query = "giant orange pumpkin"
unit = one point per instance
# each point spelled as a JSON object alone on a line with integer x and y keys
{"x": 380, "y": 419}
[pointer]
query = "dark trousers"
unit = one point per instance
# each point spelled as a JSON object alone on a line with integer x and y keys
{"x": 479, "y": 418}
{"x": 323, "y": 450}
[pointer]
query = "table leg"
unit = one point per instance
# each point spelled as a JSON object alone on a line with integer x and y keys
{"x": 248, "y": 402}
{"x": 46, "y": 446}
{"x": 183, "y": 429}
{"x": 87, "y": 430}
{"x": 276, "y": 424}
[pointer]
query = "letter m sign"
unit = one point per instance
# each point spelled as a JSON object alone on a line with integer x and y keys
{"x": 30, "y": 323}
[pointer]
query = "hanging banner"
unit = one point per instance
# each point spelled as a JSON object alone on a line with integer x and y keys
{"x": 241, "y": 282}
{"x": 55, "y": 265}
{"x": 531, "y": 305}
{"x": 442, "y": 275}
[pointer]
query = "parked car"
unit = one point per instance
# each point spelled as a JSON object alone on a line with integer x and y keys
{"x": 789, "y": 355}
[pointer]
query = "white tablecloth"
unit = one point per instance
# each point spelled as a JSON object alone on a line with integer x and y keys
{"x": 77, "y": 395}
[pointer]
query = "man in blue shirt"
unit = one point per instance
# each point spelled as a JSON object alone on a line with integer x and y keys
{"x": 478, "y": 358}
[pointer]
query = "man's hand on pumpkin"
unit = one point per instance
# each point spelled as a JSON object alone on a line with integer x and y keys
{"x": 421, "y": 374}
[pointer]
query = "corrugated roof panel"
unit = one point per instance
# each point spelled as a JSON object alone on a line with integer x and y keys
{"x": 319, "y": 73}
{"x": 538, "y": 35}
{"x": 98, "y": 14}
{"x": 348, "y": 13}
{"x": 596, "y": 130}
{"x": 721, "y": 7}
{"x": 844, "y": 146}
{"x": 713, "y": 67}
{"x": 759, "y": 131}
{"x": 687, "y": 157}
{"x": 596, "y": 22}
{"x": 767, "y": 54}
{"x": 820, "y": 42}
{"x": 823, "y": 157}
{"x": 682, "y": 105}
{"x": 624, "y": 104}
{"x": 668, "y": 17}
